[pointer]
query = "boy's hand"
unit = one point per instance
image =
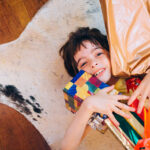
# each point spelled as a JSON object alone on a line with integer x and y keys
{"x": 106, "y": 104}
{"x": 143, "y": 90}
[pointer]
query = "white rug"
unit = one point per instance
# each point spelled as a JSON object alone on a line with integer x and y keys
{"x": 33, "y": 66}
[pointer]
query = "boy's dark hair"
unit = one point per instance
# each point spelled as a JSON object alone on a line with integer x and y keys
{"x": 69, "y": 49}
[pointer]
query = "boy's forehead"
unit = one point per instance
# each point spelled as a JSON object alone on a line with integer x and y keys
{"x": 88, "y": 44}
{"x": 91, "y": 44}
{"x": 85, "y": 48}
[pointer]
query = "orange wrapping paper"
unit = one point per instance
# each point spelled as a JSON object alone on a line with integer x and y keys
{"x": 128, "y": 28}
{"x": 145, "y": 142}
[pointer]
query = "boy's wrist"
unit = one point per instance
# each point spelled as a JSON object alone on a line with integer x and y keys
{"x": 87, "y": 106}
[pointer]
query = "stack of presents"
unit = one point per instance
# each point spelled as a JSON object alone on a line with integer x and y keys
{"x": 83, "y": 85}
{"x": 128, "y": 30}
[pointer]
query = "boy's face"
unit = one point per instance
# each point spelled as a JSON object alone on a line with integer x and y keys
{"x": 94, "y": 60}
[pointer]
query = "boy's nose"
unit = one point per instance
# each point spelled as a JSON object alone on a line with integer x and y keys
{"x": 94, "y": 65}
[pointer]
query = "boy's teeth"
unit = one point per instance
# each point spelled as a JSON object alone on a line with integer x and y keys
{"x": 99, "y": 72}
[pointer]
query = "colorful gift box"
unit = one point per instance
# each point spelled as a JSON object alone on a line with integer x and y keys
{"x": 84, "y": 85}
{"x": 79, "y": 88}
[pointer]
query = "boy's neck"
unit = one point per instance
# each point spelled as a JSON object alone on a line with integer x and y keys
{"x": 113, "y": 80}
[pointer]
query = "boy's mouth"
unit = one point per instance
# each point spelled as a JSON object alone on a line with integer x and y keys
{"x": 99, "y": 72}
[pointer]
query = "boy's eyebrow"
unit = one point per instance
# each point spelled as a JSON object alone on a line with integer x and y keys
{"x": 98, "y": 46}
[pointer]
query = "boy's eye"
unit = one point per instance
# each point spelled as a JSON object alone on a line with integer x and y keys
{"x": 83, "y": 64}
{"x": 98, "y": 54}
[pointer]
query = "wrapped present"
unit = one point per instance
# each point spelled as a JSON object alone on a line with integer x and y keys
{"x": 128, "y": 29}
{"x": 84, "y": 85}
{"x": 145, "y": 142}
{"x": 77, "y": 90}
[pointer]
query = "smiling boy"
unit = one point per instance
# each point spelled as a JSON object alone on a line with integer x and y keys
{"x": 88, "y": 49}
{"x": 94, "y": 59}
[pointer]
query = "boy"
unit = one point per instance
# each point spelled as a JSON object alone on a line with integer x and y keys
{"x": 88, "y": 49}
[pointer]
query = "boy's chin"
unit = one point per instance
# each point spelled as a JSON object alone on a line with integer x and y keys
{"x": 105, "y": 80}
{"x": 106, "y": 77}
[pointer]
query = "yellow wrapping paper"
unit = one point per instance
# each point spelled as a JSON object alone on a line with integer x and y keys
{"x": 128, "y": 28}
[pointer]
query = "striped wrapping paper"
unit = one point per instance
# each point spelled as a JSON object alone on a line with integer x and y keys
{"x": 84, "y": 85}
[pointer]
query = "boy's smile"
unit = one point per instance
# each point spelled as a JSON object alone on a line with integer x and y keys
{"x": 99, "y": 72}
{"x": 94, "y": 60}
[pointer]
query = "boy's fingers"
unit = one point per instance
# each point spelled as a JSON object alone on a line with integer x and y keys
{"x": 122, "y": 97}
{"x": 141, "y": 103}
{"x": 113, "y": 119}
{"x": 133, "y": 97}
{"x": 120, "y": 112}
{"x": 140, "y": 107}
{"x": 124, "y": 106}
{"x": 108, "y": 89}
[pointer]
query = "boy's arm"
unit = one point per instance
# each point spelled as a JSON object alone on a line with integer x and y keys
{"x": 101, "y": 103}
{"x": 86, "y": 131}
{"x": 77, "y": 130}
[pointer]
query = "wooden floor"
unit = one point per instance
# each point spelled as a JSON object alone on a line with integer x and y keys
{"x": 17, "y": 133}
{"x": 15, "y": 15}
